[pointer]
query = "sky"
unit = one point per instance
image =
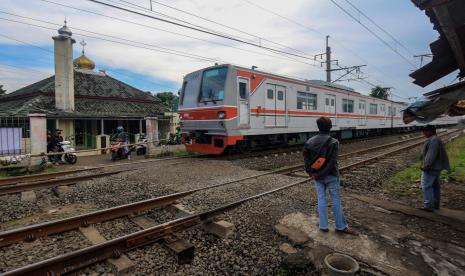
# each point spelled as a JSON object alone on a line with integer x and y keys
{"x": 154, "y": 56}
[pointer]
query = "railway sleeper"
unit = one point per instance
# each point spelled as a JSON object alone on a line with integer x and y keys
{"x": 121, "y": 265}
{"x": 182, "y": 249}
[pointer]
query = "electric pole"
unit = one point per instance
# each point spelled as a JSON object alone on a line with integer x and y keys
{"x": 328, "y": 60}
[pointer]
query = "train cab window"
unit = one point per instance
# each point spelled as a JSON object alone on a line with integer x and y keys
{"x": 373, "y": 109}
{"x": 270, "y": 94}
{"x": 347, "y": 106}
{"x": 183, "y": 91}
{"x": 243, "y": 90}
{"x": 280, "y": 95}
{"x": 307, "y": 101}
{"x": 213, "y": 85}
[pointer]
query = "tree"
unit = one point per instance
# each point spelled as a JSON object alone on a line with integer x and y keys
{"x": 2, "y": 91}
{"x": 168, "y": 99}
{"x": 380, "y": 92}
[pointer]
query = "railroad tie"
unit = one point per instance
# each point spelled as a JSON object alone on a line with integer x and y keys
{"x": 222, "y": 229}
{"x": 179, "y": 247}
{"x": 120, "y": 266}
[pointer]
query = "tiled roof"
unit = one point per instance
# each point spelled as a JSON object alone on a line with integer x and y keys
{"x": 96, "y": 95}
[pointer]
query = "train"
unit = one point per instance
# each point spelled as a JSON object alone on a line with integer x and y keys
{"x": 228, "y": 107}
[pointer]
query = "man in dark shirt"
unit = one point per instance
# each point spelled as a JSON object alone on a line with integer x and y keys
{"x": 435, "y": 160}
{"x": 326, "y": 177}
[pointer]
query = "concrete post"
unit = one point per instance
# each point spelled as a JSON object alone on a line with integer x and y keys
{"x": 38, "y": 130}
{"x": 151, "y": 127}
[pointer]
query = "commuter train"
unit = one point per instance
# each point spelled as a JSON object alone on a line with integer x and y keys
{"x": 231, "y": 107}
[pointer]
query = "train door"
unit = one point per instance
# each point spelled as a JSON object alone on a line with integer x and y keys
{"x": 243, "y": 89}
{"x": 383, "y": 114}
{"x": 280, "y": 114}
{"x": 330, "y": 106}
{"x": 362, "y": 112}
{"x": 270, "y": 105}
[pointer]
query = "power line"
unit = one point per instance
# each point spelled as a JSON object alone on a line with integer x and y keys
{"x": 373, "y": 33}
{"x": 199, "y": 30}
{"x": 320, "y": 33}
{"x": 379, "y": 27}
{"x": 226, "y": 26}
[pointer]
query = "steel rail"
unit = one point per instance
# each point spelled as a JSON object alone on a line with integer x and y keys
{"x": 31, "y": 232}
{"x": 114, "y": 248}
{"x": 44, "y": 176}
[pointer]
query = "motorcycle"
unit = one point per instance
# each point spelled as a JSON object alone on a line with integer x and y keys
{"x": 68, "y": 150}
{"x": 117, "y": 150}
{"x": 142, "y": 148}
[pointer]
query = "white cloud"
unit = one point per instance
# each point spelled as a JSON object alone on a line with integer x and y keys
{"x": 315, "y": 14}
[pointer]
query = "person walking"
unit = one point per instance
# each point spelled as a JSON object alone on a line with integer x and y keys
{"x": 320, "y": 158}
{"x": 435, "y": 160}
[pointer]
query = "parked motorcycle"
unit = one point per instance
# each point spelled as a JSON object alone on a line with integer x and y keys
{"x": 68, "y": 150}
{"x": 142, "y": 148}
{"x": 117, "y": 150}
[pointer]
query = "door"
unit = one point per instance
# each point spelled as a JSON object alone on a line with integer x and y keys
{"x": 383, "y": 114}
{"x": 280, "y": 113}
{"x": 362, "y": 111}
{"x": 243, "y": 89}
{"x": 330, "y": 107}
{"x": 275, "y": 106}
{"x": 270, "y": 105}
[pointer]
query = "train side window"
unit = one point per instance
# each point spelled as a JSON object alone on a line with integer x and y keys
{"x": 270, "y": 94}
{"x": 243, "y": 90}
{"x": 306, "y": 101}
{"x": 280, "y": 95}
{"x": 332, "y": 102}
{"x": 347, "y": 106}
{"x": 183, "y": 92}
{"x": 327, "y": 101}
{"x": 373, "y": 109}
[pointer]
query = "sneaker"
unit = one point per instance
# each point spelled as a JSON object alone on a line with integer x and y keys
{"x": 426, "y": 209}
{"x": 348, "y": 230}
{"x": 324, "y": 230}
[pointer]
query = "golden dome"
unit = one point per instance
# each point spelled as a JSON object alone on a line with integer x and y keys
{"x": 84, "y": 62}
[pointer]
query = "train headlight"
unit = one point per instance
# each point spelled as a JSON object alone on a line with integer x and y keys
{"x": 221, "y": 115}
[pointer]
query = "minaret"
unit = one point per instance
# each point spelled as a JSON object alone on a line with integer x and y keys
{"x": 64, "y": 72}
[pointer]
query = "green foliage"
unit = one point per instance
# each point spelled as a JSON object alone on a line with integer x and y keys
{"x": 2, "y": 91}
{"x": 380, "y": 92}
{"x": 168, "y": 99}
{"x": 402, "y": 182}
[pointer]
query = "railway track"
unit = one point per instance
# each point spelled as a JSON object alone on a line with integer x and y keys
{"x": 115, "y": 247}
{"x": 7, "y": 188}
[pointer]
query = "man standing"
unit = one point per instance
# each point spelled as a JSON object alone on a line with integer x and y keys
{"x": 320, "y": 157}
{"x": 434, "y": 161}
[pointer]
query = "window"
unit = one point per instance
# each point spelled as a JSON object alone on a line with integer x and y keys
{"x": 243, "y": 90}
{"x": 382, "y": 108}
{"x": 270, "y": 94}
{"x": 394, "y": 113}
{"x": 332, "y": 102}
{"x": 183, "y": 92}
{"x": 373, "y": 109}
{"x": 347, "y": 106}
{"x": 306, "y": 101}
{"x": 280, "y": 95}
{"x": 390, "y": 111}
{"x": 327, "y": 101}
{"x": 213, "y": 82}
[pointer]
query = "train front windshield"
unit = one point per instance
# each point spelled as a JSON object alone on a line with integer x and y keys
{"x": 213, "y": 84}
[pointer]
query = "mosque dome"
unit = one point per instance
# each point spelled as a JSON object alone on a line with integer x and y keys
{"x": 84, "y": 62}
{"x": 65, "y": 30}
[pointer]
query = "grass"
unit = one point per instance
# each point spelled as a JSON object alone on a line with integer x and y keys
{"x": 402, "y": 182}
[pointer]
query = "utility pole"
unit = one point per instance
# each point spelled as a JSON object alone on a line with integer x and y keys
{"x": 328, "y": 60}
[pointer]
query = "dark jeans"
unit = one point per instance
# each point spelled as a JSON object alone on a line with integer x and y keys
{"x": 431, "y": 189}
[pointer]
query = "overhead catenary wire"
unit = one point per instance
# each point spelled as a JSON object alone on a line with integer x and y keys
{"x": 373, "y": 33}
{"x": 380, "y": 27}
{"x": 199, "y": 29}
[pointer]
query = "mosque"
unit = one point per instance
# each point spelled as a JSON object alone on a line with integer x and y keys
{"x": 86, "y": 104}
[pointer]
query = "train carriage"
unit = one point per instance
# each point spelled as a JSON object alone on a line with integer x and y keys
{"x": 227, "y": 106}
